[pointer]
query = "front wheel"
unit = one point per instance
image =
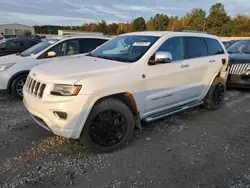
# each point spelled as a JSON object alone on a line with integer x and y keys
{"x": 109, "y": 127}
{"x": 17, "y": 86}
{"x": 215, "y": 95}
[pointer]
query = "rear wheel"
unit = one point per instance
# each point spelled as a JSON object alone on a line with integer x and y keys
{"x": 17, "y": 86}
{"x": 109, "y": 126}
{"x": 215, "y": 95}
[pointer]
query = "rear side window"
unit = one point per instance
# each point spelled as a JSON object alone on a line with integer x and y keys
{"x": 88, "y": 45}
{"x": 195, "y": 47}
{"x": 214, "y": 47}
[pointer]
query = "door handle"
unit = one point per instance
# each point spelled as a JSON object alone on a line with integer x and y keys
{"x": 184, "y": 66}
{"x": 211, "y": 61}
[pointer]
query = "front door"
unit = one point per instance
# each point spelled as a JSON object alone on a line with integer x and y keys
{"x": 166, "y": 85}
{"x": 63, "y": 50}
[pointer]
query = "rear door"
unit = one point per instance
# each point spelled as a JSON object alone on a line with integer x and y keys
{"x": 219, "y": 58}
{"x": 197, "y": 65}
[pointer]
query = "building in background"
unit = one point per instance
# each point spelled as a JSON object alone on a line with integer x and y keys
{"x": 16, "y": 29}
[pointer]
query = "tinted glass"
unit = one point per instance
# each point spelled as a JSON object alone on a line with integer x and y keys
{"x": 240, "y": 47}
{"x": 38, "y": 47}
{"x": 175, "y": 47}
{"x": 214, "y": 47}
{"x": 196, "y": 47}
{"x": 68, "y": 47}
{"x": 13, "y": 45}
{"x": 31, "y": 43}
{"x": 88, "y": 45}
{"x": 127, "y": 48}
{"x": 22, "y": 44}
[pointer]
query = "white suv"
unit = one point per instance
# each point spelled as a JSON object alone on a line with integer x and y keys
{"x": 15, "y": 68}
{"x": 143, "y": 76}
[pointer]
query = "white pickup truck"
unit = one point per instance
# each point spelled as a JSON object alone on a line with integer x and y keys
{"x": 102, "y": 97}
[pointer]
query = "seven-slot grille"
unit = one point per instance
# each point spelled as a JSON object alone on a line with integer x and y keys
{"x": 35, "y": 87}
{"x": 239, "y": 68}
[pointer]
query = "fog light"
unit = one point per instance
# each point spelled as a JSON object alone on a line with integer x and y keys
{"x": 60, "y": 115}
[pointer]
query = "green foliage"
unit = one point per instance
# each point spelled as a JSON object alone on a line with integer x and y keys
{"x": 139, "y": 24}
{"x": 217, "y": 22}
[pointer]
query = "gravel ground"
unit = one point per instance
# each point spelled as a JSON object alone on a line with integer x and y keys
{"x": 193, "y": 149}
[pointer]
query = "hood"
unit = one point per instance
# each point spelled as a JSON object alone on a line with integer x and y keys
{"x": 13, "y": 58}
{"x": 236, "y": 58}
{"x": 69, "y": 71}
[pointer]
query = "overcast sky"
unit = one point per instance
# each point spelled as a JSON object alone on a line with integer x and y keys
{"x": 77, "y": 12}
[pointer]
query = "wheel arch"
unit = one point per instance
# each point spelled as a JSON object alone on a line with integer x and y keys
{"x": 129, "y": 100}
{"x": 15, "y": 76}
{"x": 126, "y": 97}
{"x": 210, "y": 84}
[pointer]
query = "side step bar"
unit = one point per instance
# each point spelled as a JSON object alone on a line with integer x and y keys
{"x": 168, "y": 113}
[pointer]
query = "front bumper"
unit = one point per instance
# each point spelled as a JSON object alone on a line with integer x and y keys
{"x": 77, "y": 109}
{"x": 239, "y": 80}
{"x": 4, "y": 79}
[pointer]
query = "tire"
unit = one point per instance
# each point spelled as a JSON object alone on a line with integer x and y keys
{"x": 215, "y": 95}
{"x": 117, "y": 114}
{"x": 17, "y": 85}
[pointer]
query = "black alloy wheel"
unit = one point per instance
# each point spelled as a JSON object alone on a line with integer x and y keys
{"x": 218, "y": 94}
{"x": 108, "y": 128}
{"x": 17, "y": 85}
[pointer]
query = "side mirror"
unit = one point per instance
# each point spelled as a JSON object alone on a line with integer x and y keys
{"x": 163, "y": 57}
{"x": 51, "y": 54}
{"x": 160, "y": 57}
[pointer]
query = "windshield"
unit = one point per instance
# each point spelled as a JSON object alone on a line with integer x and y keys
{"x": 240, "y": 47}
{"x": 38, "y": 47}
{"x": 125, "y": 48}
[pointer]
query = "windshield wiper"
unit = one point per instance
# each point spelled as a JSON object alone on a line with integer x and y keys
{"x": 106, "y": 57}
{"x": 89, "y": 54}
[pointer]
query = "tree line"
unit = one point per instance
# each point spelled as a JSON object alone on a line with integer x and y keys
{"x": 217, "y": 22}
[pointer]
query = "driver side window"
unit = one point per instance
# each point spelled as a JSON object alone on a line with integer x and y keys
{"x": 175, "y": 47}
{"x": 65, "y": 48}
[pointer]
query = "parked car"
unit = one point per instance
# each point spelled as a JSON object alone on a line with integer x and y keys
{"x": 15, "y": 68}
{"x": 16, "y": 45}
{"x": 143, "y": 76}
{"x": 239, "y": 72}
{"x": 227, "y": 44}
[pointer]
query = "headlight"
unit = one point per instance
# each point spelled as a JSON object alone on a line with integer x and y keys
{"x": 6, "y": 66}
{"x": 65, "y": 90}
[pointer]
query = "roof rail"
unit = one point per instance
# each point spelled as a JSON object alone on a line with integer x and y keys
{"x": 79, "y": 35}
{"x": 192, "y": 31}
